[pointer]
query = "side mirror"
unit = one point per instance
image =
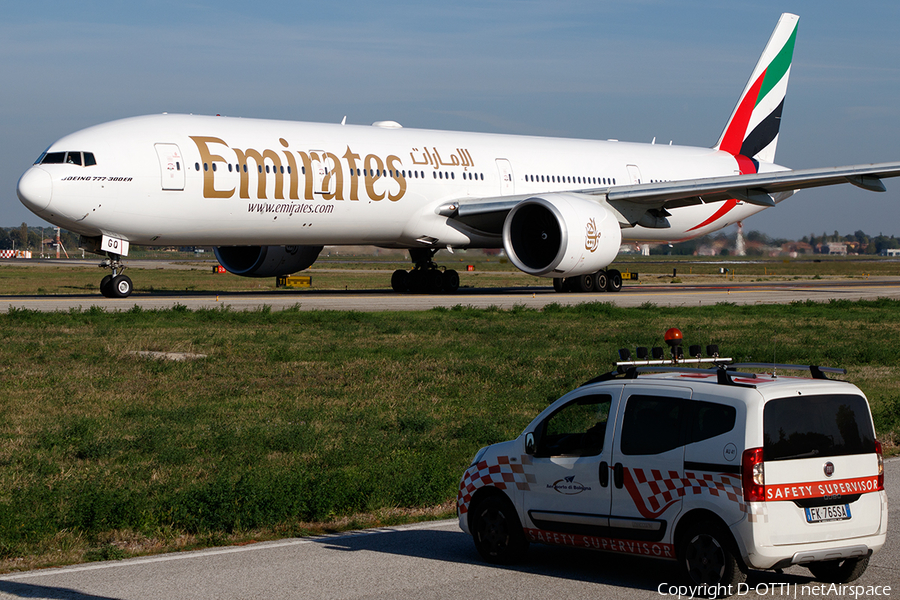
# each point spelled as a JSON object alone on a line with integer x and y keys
{"x": 529, "y": 443}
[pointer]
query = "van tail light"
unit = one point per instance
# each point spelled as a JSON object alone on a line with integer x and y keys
{"x": 880, "y": 465}
{"x": 753, "y": 477}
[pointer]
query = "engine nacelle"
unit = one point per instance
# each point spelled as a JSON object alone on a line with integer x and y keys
{"x": 266, "y": 261}
{"x": 561, "y": 235}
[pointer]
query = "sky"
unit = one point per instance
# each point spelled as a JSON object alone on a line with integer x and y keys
{"x": 591, "y": 69}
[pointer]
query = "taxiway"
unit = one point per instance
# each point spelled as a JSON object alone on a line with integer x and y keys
{"x": 531, "y": 297}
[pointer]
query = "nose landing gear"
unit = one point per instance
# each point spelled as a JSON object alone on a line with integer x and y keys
{"x": 115, "y": 285}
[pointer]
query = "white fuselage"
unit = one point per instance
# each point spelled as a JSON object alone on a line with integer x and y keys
{"x": 337, "y": 184}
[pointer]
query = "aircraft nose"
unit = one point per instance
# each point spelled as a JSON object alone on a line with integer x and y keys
{"x": 35, "y": 188}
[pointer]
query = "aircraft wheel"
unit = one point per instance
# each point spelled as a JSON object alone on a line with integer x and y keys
{"x": 400, "y": 281}
{"x": 559, "y": 284}
{"x": 615, "y": 281}
{"x": 584, "y": 283}
{"x": 121, "y": 286}
{"x": 434, "y": 281}
{"x": 416, "y": 281}
{"x": 106, "y": 286}
{"x": 601, "y": 281}
{"x": 451, "y": 281}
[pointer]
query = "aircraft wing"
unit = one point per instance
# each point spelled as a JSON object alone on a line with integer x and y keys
{"x": 487, "y": 214}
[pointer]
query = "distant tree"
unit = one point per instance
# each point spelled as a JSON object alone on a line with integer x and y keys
{"x": 34, "y": 238}
{"x": 69, "y": 240}
{"x": 23, "y": 236}
{"x": 883, "y": 242}
{"x": 757, "y": 236}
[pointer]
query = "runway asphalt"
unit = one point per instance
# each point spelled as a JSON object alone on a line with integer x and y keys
{"x": 369, "y": 300}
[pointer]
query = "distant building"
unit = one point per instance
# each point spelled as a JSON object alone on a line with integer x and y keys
{"x": 796, "y": 248}
{"x": 891, "y": 252}
{"x": 834, "y": 248}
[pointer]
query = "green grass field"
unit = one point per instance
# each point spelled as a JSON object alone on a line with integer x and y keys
{"x": 307, "y": 421}
{"x": 340, "y": 270}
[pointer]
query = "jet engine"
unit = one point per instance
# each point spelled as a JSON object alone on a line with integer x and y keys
{"x": 266, "y": 261}
{"x": 561, "y": 235}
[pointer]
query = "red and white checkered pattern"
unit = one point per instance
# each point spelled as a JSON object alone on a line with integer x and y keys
{"x": 15, "y": 253}
{"x": 498, "y": 472}
{"x": 652, "y": 490}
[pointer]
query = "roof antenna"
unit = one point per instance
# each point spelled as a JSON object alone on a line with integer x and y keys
{"x": 774, "y": 362}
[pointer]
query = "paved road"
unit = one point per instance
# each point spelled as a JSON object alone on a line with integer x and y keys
{"x": 430, "y": 560}
{"x": 630, "y": 296}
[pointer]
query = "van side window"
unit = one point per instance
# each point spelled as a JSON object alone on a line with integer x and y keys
{"x": 652, "y": 425}
{"x": 711, "y": 419}
{"x": 576, "y": 429}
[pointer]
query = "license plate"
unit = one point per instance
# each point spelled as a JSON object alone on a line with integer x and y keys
{"x": 822, "y": 514}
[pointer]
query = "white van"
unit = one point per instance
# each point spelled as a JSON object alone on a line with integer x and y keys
{"x": 719, "y": 469}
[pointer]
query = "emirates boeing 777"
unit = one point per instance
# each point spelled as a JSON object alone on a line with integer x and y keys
{"x": 270, "y": 194}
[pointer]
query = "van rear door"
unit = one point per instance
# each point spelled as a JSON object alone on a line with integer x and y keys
{"x": 821, "y": 468}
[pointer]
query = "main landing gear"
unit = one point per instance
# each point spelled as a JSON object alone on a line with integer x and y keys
{"x": 115, "y": 285}
{"x": 425, "y": 277}
{"x": 602, "y": 281}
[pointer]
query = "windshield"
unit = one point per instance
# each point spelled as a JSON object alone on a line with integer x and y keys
{"x": 84, "y": 159}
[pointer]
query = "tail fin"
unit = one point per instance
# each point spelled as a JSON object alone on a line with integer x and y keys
{"x": 752, "y": 130}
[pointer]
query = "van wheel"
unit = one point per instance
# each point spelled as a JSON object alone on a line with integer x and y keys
{"x": 839, "y": 571}
{"x": 706, "y": 557}
{"x": 497, "y": 532}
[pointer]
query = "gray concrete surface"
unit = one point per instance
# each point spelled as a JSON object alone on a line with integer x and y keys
{"x": 428, "y": 560}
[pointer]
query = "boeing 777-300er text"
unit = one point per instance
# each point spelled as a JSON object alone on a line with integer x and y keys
{"x": 269, "y": 194}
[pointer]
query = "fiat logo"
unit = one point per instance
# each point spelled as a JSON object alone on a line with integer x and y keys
{"x": 829, "y": 469}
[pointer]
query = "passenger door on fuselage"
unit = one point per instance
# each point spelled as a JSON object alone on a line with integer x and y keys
{"x": 171, "y": 165}
{"x": 569, "y": 495}
{"x": 648, "y": 464}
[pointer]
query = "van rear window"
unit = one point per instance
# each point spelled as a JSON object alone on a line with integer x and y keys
{"x": 816, "y": 426}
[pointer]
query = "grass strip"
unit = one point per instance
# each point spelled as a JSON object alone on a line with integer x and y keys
{"x": 295, "y": 418}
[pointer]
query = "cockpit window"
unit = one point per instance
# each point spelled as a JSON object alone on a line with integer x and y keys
{"x": 85, "y": 159}
{"x": 54, "y": 158}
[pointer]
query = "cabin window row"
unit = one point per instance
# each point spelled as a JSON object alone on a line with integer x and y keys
{"x": 237, "y": 168}
{"x": 359, "y": 172}
{"x": 570, "y": 179}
